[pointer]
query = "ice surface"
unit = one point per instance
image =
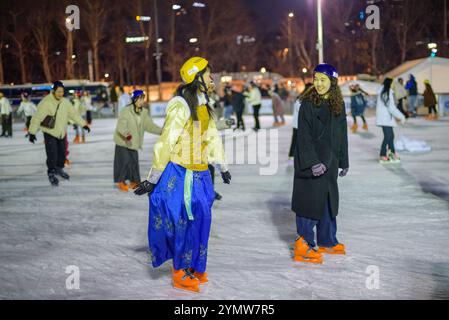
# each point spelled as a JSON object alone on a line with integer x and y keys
{"x": 395, "y": 218}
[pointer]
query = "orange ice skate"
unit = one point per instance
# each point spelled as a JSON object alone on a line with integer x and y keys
{"x": 337, "y": 249}
{"x": 203, "y": 277}
{"x": 134, "y": 185}
{"x": 184, "y": 280}
{"x": 123, "y": 186}
{"x": 304, "y": 253}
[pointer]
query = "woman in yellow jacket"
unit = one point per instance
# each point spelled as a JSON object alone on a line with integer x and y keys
{"x": 179, "y": 183}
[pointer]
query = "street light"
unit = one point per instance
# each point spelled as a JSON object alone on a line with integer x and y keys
{"x": 263, "y": 70}
{"x": 289, "y": 36}
{"x": 199, "y": 5}
{"x": 320, "y": 34}
{"x": 143, "y": 18}
{"x": 160, "y": 40}
{"x": 304, "y": 70}
{"x": 176, "y": 7}
{"x": 136, "y": 39}
{"x": 193, "y": 40}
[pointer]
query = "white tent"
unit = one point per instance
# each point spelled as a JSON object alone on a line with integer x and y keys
{"x": 367, "y": 86}
{"x": 434, "y": 69}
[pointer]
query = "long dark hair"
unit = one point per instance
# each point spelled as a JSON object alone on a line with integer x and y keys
{"x": 385, "y": 94}
{"x": 336, "y": 101}
{"x": 429, "y": 88}
{"x": 190, "y": 93}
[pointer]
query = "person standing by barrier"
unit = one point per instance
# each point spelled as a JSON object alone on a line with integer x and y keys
{"x": 412, "y": 88}
{"x": 86, "y": 101}
{"x": 430, "y": 101}
{"x": 278, "y": 107}
{"x": 238, "y": 103}
{"x": 6, "y": 116}
{"x": 124, "y": 100}
{"x": 400, "y": 95}
{"x": 254, "y": 99}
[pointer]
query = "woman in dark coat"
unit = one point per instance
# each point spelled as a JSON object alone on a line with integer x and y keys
{"x": 321, "y": 150}
{"x": 430, "y": 101}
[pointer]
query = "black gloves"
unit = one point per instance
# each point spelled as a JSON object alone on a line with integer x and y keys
{"x": 226, "y": 177}
{"x": 32, "y": 138}
{"x": 144, "y": 187}
{"x": 319, "y": 170}
{"x": 87, "y": 128}
{"x": 344, "y": 172}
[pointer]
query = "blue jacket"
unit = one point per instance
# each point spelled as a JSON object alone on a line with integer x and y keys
{"x": 412, "y": 87}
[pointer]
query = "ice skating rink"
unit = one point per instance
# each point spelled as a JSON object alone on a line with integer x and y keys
{"x": 393, "y": 219}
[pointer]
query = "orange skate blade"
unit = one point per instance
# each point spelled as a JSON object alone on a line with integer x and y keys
{"x": 307, "y": 260}
{"x": 189, "y": 289}
{"x": 330, "y": 251}
{"x": 203, "y": 278}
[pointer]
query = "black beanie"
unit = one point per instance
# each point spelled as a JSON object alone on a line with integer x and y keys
{"x": 57, "y": 84}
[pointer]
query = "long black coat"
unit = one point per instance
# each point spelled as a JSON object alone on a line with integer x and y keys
{"x": 238, "y": 101}
{"x": 321, "y": 138}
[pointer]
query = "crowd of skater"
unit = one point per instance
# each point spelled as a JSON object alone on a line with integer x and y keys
{"x": 189, "y": 151}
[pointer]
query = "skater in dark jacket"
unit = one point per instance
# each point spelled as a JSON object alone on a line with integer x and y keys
{"x": 430, "y": 101}
{"x": 321, "y": 150}
{"x": 238, "y": 102}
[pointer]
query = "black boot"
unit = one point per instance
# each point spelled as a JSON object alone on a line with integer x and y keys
{"x": 218, "y": 196}
{"x": 53, "y": 180}
{"x": 60, "y": 172}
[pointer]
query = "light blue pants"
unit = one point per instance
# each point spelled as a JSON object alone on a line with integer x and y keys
{"x": 228, "y": 112}
{"x": 412, "y": 101}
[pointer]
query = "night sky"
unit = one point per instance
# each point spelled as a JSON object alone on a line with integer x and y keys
{"x": 272, "y": 12}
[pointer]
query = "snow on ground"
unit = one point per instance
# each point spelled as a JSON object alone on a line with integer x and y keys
{"x": 393, "y": 219}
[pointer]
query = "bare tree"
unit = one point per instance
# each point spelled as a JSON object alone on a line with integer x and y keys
{"x": 2, "y": 45}
{"x": 341, "y": 30}
{"x": 94, "y": 20}
{"x": 120, "y": 13}
{"x": 40, "y": 21}
{"x": 405, "y": 20}
{"x": 302, "y": 51}
{"x": 19, "y": 35}
{"x": 217, "y": 26}
{"x": 69, "y": 36}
